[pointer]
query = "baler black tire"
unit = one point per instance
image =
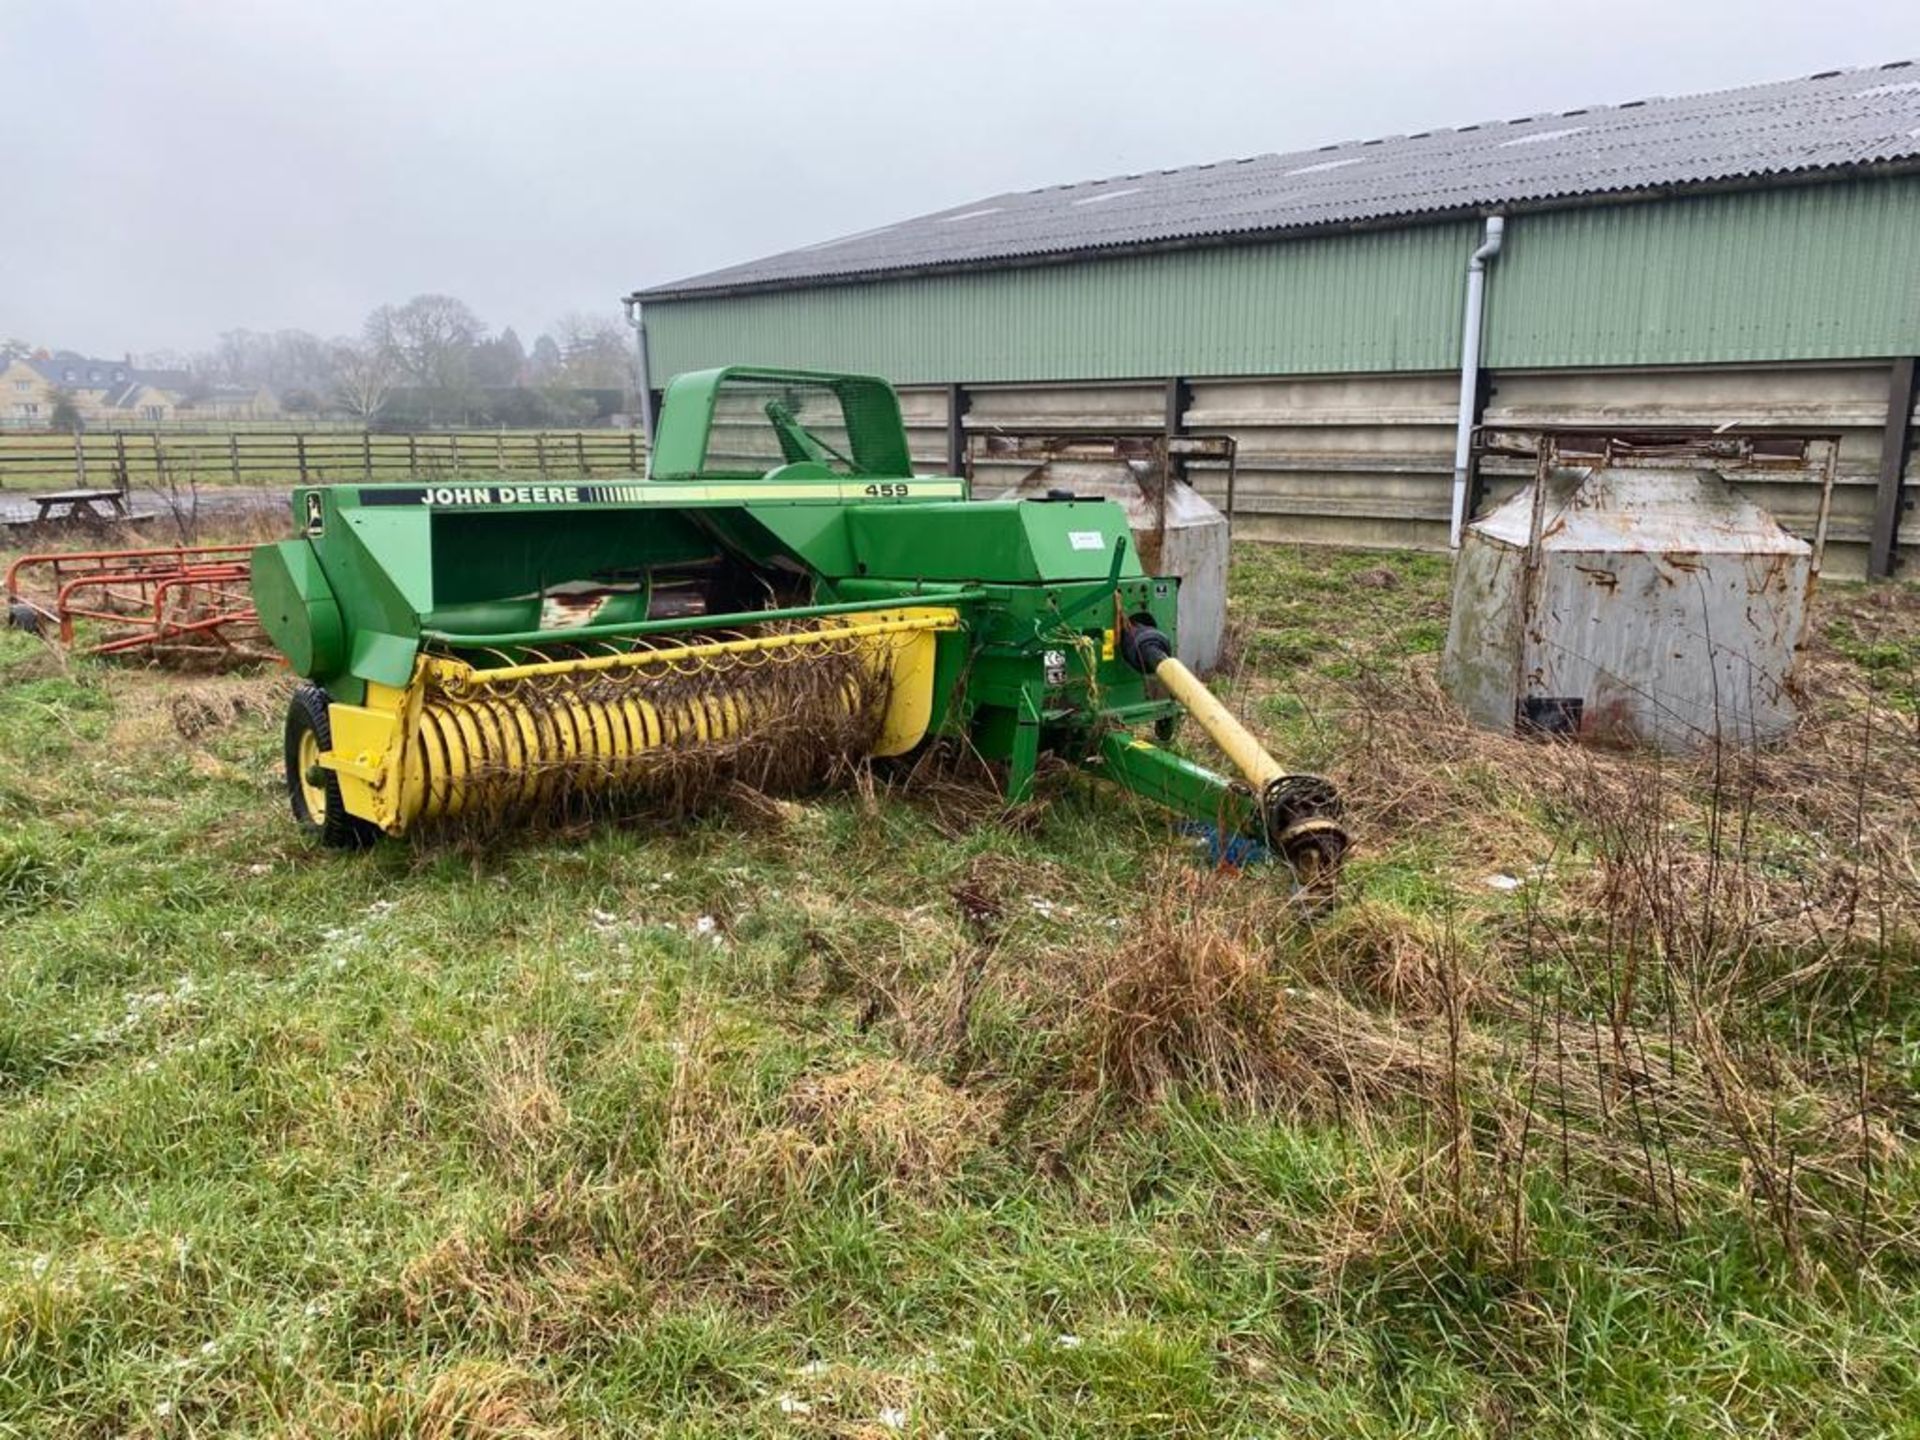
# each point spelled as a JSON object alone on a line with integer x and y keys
{"x": 334, "y": 827}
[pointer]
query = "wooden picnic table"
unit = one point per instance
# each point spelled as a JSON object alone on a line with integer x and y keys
{"x": 82, "y": 505}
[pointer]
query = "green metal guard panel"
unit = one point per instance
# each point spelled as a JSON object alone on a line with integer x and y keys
{"x": 1010, "y": 541}
{"x": 862, "y": 412}
{"x": 297, "y": 607}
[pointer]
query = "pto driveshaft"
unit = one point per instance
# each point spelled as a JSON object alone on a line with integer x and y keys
{"x": 1299, "y": 813}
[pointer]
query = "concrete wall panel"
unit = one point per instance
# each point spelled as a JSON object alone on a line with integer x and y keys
{"x": 1367, "y": 459}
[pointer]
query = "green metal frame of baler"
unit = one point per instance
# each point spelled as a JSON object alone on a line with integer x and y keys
{"x": 1059, "y": 627}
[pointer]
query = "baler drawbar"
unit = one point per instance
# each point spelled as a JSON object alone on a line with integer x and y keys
{"x": 778, "y": 596}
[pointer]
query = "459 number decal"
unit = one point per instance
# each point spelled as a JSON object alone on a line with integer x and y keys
{"x": 889, "y": 490}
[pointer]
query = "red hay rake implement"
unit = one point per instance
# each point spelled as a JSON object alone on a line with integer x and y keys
{"x": 175, "y": 600}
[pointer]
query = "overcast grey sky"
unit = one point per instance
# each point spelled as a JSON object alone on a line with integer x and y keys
{"x": 182, "y": 167}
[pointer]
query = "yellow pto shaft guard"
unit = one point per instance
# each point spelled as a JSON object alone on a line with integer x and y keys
{"x": 1236, "y": 742}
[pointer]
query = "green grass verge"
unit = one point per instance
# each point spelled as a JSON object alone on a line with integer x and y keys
{"x": 672, "y": 1128}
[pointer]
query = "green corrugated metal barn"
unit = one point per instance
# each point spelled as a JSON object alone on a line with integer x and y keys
{"x": 1749, "y": 257}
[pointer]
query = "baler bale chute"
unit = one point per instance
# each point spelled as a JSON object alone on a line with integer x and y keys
{"x": 781, "y": 595}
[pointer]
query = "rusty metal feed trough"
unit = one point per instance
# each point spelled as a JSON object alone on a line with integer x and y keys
{"x": 1631, "y": 594}
{"x": 175, "y": 600}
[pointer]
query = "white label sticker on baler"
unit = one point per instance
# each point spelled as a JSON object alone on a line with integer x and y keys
{"x": 1086, "y": 540}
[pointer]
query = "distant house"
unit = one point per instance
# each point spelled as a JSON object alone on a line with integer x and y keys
{"x": 107, "y": 394}
{"x": 135, "y": 401}
{"x": 233, "y": 402}
{"x": 26, "y": 396}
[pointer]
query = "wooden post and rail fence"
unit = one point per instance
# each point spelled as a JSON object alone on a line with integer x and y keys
{"x": 129, "y": 460}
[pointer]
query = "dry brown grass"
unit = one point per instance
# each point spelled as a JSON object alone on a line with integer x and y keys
{"x": 1685, "y": 907}
{"x": 1712, "y": 924}
{"x": 695, "y": 1210}
{"x": 543, "y": 1277}
{"x": 961, "y": 793}
{"x": 1193, "y": 998}
{"x": 1845, "y": 788}
{"x": 203, "y": 707}
{"x": 222, "y": 525}
{"x": 880, "y": 1126}
{"x": 521, "y": 1108}
{"x": 885, "y": 1119}
{"x": 1414, "y": 768}
{"x": 1410, "y": 963}
{"x": 466, "y": 1400}
{"x": 1186, "y": 999}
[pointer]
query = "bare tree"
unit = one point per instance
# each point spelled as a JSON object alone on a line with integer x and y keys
{"x": 596, "y": 351}
{"x": 429, "y": 340}
{"x": 235, "y": 354}
{"x": 164, "y": 360}
{"x": 282, "y": 360}
{"x": 363, "y": 377}
{"x": 298, "y": 360}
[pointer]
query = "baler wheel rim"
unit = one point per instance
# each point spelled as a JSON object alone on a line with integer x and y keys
{"x": 313, "y": 793}
{"x": 309, "y": 734}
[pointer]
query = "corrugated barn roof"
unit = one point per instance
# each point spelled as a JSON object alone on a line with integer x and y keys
{"x": 1832, "y": 122}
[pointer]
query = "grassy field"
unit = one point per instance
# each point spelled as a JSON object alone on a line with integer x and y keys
{"x": 1591, "y": 1110}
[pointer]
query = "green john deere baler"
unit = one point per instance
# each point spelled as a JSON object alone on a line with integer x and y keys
{"x": 779, "y": 595}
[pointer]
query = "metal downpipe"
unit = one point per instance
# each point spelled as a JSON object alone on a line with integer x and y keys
{"x": 643, "y": 376}
{"x": 1470, "y": 371}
